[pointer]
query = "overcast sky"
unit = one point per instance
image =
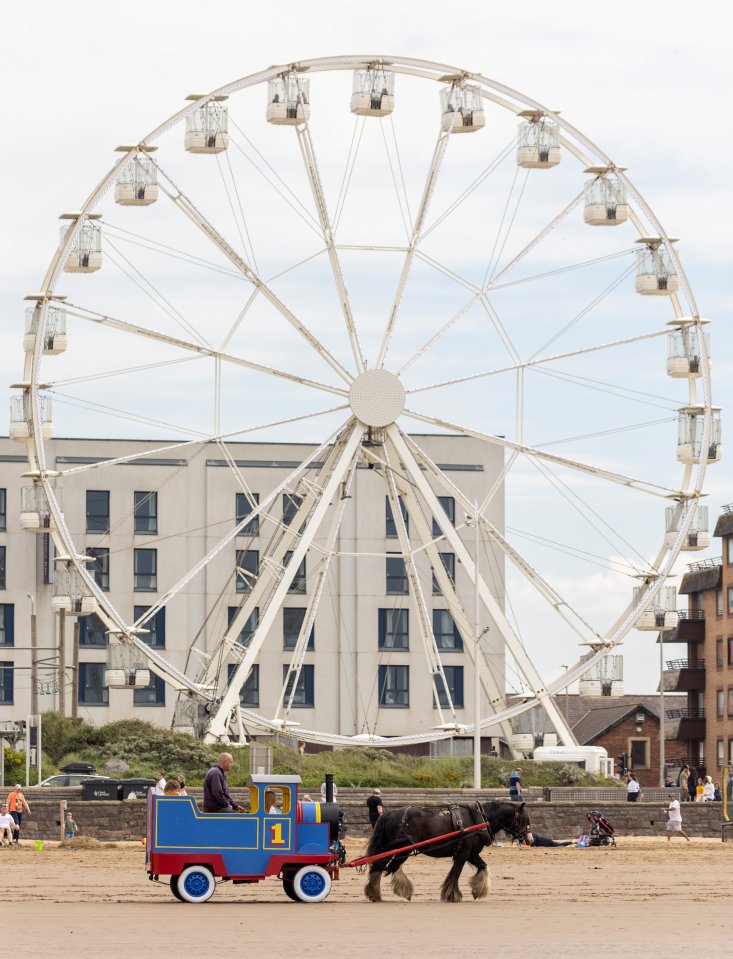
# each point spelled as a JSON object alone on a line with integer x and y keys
{"x": 648, "y": 82}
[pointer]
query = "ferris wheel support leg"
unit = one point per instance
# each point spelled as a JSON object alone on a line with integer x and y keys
{"x": 432, "y": 655}
{"x": 346, "y": 453}
{"x": 512, "y": 641}
{"x": 494, "y": 694}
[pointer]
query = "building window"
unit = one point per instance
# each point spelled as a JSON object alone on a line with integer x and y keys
{"x": 730, "y": 651}
{"x": 291, "y": 504}
{"x": 394, "y": 686}
{"x": 243, "y": 506}
{"x": 719, "y": 703}
{"x": 391, "y": 526}
{"x": 730, "y": 751}
{"x": 248, "y": 630}
{"x": 303, "y": 695}
{"x": 248, "y": 569}
{"x": 730, "y": 600}
{"x": 449, "y": 565}
{"x": 100, "y": 567}
{"x": 3, "y": 510}
{"x": 146, "y": 512}
{"x": 720, "y": 753}
{"x": 445, "y": 631}
{"x": 92, "y": 691}
{"x": 449, "y": 508}
{"x": 394, "y": 628}
{"x": 297, "y": 583}
{"x": 7, "y": 624}
{"x": 639, "y": 753}
{"x": 454, "y": 679}
{"x": 249, "y": 694}
{"x": 92, "y": 631}
{"x": 6, "y": 682}
{"x": 718, "y": 602}
{"x": 729, "y": 549}
{"x": 293, "y": 619}
{"x": 719, "y": 653}
{"x": 730, "y": 701}
{"x": 396, "y": 576}
{"x": 151, "y": 695}
{"x": 156, "y": 626}
{"x": 2, "y": 567}
{"x": 146, "y": 570}
{"x": 97, "y": 511}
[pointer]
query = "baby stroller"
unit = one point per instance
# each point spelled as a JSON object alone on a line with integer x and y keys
{"x": 601, "y": 831}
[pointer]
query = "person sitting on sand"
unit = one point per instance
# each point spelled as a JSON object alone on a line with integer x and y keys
{"x": 7, "y": 826}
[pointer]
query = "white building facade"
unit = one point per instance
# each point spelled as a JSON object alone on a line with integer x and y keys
{"x": 149, "y": 520}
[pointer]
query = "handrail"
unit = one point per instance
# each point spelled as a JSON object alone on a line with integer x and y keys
{"x": 676, "y": 664}
{"x": 693, "y": 713}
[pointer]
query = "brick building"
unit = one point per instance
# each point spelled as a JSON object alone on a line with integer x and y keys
{"x": 627, "y": 724}
{"x": 704, "y": 674}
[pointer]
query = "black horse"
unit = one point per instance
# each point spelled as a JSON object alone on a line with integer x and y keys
{"x": 413, "y": 824}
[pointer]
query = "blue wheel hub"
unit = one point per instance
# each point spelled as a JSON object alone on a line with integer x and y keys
{"x": 196, "y": 883}
{"x": 312, "y": 883}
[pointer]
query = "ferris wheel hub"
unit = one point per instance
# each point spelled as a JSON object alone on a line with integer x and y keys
{"x": 377, "y": 398}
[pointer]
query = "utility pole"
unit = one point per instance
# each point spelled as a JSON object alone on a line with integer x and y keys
{"x": 34, "y": 651}
{"x": 62, "y": 662}
{"x": 476, "y": 665}
{"x": 661, "y": 710}
{"x": 75, "y": 671}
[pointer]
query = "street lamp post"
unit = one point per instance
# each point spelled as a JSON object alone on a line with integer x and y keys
{"x": 661, "y": 710}
{"x": 476, "y": 669}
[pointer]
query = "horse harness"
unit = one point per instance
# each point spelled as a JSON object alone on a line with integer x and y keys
{"x": 476, "y": 816}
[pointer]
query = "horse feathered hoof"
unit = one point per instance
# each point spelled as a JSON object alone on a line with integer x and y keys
{"x": 372, "y": 890}
{"x": 480, "y": 883}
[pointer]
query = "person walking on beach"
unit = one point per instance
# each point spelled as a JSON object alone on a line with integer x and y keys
{"x": 375, "y": 807}
{"x": 633, "y": 789}
{"x": 682, "y": 782}
{"x": 16, "y": 805}
{"x": 515, "y": 785}
{"x": 674, "y": 823}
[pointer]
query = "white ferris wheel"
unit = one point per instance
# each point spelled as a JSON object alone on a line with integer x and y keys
{"x": 314, "y": 250}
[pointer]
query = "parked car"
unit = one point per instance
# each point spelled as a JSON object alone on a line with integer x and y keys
{"x": 69, "y": 779}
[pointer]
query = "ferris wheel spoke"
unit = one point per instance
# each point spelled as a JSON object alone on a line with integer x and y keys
{"x": 184, "y": 204}
{"x": 235, "y": 531}
{"x": 199, "y": 441}
{"x": 563, "y": 608}
{"x": 539, "y": 361}
{"x": 536, "y": 239}
{"x": 513, "y": 642}
{"x": 653, "y": 489}
{"x": 305, "y": 142}
{"x": 341, "y": 458}
{"x": 437, "y": 158}
{"x": 202, "y": 351}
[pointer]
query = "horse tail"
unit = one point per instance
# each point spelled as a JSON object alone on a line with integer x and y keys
{"x": 376, "y": 842}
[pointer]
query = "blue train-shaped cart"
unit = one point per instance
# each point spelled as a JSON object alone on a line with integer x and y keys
{"x": 278, "y": 836}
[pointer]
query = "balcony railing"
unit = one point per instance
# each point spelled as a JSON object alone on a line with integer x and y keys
{"x": 694, "y": 614}
{"x": 705, "y": 564}
{"x": 686, "y": 664}
{"x": 727, "y": 509}
{"x": 693, "y": 713}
